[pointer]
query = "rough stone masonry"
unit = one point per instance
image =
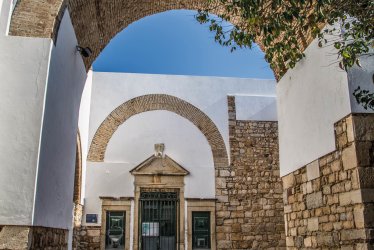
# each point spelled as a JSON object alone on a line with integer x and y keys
{"x": 252, "y": 218}
{"x": 329, "y": 204}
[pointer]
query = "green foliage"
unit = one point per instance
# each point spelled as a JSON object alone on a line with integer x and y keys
{"x": 281, "y": 25}
{"x": 364, "y": 97}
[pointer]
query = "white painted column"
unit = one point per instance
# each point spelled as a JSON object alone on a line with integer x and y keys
{"x": 24, "y": 72}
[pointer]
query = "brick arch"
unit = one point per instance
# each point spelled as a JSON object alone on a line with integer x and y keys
{"x": 154, "y": 102}
{"x": 96, "y": 22}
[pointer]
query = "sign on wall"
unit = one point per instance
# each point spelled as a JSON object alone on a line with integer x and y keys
{"x": 91, "y": 218}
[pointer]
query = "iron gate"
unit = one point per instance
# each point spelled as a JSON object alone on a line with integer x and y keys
{"x": 159, "y": 221}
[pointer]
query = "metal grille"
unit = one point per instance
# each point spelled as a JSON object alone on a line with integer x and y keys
{"x": 159, "y": 217}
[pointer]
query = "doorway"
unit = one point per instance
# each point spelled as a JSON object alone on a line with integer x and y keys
{"x": 115, "y": 230}
{"x": 200, "y": 230}
{"x": 159, "y": 217}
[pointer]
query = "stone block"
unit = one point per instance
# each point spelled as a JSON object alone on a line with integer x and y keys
{"x": 290, "y": 242}
{"x": 93, "y": 232}
{"x": 288, "y": 181}
{"x": 222, "y": 198}
{"x": 221, "y": 182}
{"x": 355, "y": 181}
{"x": 350, "y": 129}
{"x": 308, "y": 242}
{"x": 224, "y": 173}
{"x": 223, "y": 214}
{"x": 15, "y": 237}
{"x": 353, "y": 234}
{"x": 358, "y": 214}
{"x": 299, "y": 241}
{"x": 312, "y": 170}
{"x": 346, "y": 248}
{"x": 364, "y": 246}
{"x": 224, "y": 244}
{"x": 309, "y": 187}
{"x": 314, "y": 200}
{"x": 325, "y": 239}
{"x": 349, "y": 157}
{"x": 287, "y": 209}
{"x": 336, "y": 166}
{"x": 312, "y": 224}
{"x": 352, "y": 197}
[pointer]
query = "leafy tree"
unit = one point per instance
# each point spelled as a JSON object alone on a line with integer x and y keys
{"x": 284, "y": 26}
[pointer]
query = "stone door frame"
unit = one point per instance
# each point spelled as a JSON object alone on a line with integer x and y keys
{"x": 201, "y": 205}
{"x": 167, "y": 183}
{"x": 112, "y": 204}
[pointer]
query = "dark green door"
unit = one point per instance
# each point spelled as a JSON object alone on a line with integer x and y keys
{"x": 200, "y": 230}
{"x": 115, "y": 230}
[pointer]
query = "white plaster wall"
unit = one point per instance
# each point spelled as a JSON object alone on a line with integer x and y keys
{"x": 67, "y": 75}
{"x": 83, "y": 125}
{"x": 311, "y": 98}
{"x": 256, "y": 107}
{"x": 209, "y": 94}
{"x": 23, "y": 70}
{"x": 1, "y": 5}
{"x": 134, "y": 140}
{"x": 106, "y": 179}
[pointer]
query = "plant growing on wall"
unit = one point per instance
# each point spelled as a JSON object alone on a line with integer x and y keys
{"x": 283, "y": 26}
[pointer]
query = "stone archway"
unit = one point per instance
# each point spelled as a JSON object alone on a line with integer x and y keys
{"x": 96, "y": 22}
{"x": 169, "y": 103}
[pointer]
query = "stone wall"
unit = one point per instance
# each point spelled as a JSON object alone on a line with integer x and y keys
{"x": 78, "y": 214}
{"x": 86, "y": 238}
{"x": 329, "y": 203}
{"x": 34, "y": 238}
{"x": 49, "y": 238}
{"x": 252, "y": 218}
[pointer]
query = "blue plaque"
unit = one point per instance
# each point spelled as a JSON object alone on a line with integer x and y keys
{"x": 91, "y": 218}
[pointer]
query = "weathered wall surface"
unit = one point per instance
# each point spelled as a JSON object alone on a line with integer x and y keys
{"x": 67, "y": 75}
{"x": 26, "y": 237}
{"x": 252, "y": 217}
{"x": 23, "y": 71}
{"x": 86, "y": 238}
{"x": 329, "y": 203}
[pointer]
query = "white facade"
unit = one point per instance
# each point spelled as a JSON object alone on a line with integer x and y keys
{"x": 40, "y": 87}
{"x": 310, "y": 99}
{"x": 24, "y": 71}
{"x": 309, "y": 103}
{"x": 134, "y": 140}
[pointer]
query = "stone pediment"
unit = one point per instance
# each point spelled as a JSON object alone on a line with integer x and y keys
{"x": 156, "y": 165}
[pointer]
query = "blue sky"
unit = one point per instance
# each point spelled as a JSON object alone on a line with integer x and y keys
{"x": 173, "y": 42}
